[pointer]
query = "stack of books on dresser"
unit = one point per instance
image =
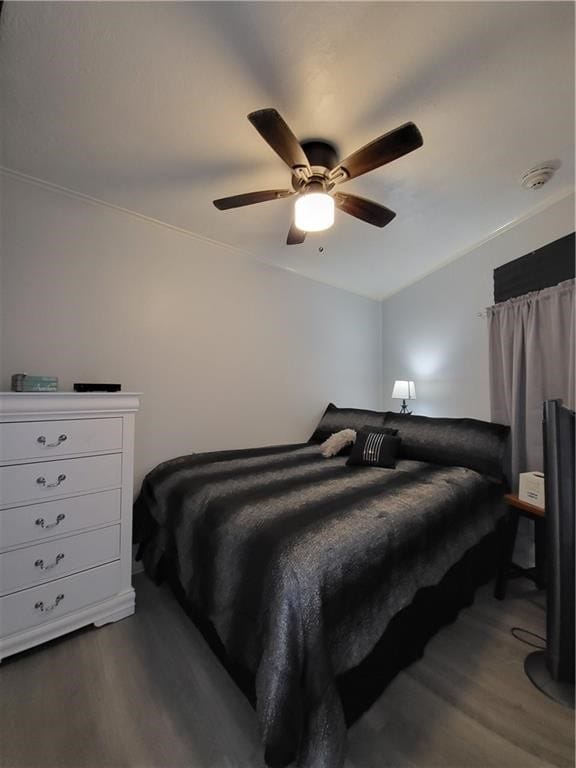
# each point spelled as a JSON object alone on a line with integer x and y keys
{"x": 22, "y": 382}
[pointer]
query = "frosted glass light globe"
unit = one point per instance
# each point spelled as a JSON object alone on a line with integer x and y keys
{"x": 314, "y": 212}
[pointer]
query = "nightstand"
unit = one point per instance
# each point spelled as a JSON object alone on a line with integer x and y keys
{"x": 509, "y": 569}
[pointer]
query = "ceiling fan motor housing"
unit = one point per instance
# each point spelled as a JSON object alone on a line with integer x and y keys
{"x": 320, "y": 153}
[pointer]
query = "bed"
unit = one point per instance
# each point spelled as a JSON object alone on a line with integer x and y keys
{"x": 314, "y": 580}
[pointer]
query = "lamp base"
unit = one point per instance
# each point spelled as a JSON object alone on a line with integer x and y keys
{"x": 404, "y": 409}
{"x": 537, "y": 671}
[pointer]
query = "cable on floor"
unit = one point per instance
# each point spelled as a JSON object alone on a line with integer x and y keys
{"x": 515, "y": 630}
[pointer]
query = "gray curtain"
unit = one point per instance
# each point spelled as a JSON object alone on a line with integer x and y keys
{"x": 531, "y": 360}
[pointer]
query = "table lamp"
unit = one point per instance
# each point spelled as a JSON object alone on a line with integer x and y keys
{"x": 404, "y": 390}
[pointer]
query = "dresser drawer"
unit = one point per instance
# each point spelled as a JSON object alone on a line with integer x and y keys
{"x": 39, "y": 605}
{"x": 51, "y": 560}
{"x": 36, "y": 522}
{"x": 44, "y": 439}
{"x": 23, "y": 483}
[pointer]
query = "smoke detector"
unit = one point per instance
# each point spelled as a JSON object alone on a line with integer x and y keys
{"x": 538, "y": 176}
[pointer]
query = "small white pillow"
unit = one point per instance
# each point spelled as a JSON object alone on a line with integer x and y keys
{"x": 336, "y": 442}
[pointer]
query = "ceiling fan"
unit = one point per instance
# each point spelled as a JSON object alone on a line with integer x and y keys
{"x": 316, "y": 170}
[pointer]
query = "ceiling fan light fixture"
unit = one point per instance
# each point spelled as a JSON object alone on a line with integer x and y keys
{"x": 316, "y": 170}
{"x": 314, "y": 212}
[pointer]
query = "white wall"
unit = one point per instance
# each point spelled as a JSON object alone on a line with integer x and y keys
{"x": 229, "y": 352}
{"x": 431, "y": 330}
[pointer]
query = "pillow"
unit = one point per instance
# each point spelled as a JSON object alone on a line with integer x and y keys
{"x": 470, "y": 443}
{"x": 338, "y": 443}
{"x": 374, "y": 448}
{"x": 336, "y": 419}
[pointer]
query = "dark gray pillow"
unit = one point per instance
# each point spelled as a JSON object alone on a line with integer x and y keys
{"x": 470, "y": 443}
{"x": 374, "y": 447}
{"x": 335, "y": 419}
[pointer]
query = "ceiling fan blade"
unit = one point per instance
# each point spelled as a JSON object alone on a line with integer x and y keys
{"x": 250, "y": 198}
{"x": 295, "y": 236}
{"x": 367, "y": 210}
{"x": 381, "y": 151}
{"x": 271, "y": 126}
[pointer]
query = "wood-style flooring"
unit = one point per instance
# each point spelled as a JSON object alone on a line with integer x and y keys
{"x": 147, "y": 692}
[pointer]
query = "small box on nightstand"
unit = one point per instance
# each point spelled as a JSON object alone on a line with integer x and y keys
{"x": 531, "y": 488}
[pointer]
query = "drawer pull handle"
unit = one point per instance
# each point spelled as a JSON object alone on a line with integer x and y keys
{"x": 40, "y": 563}
{"x": 42, "y": 481}
{"x": 42, "y": 441}
{"x": 58, "y": 520}
{"x": 46, "y": 609}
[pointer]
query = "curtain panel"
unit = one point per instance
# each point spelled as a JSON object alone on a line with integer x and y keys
{"x": 532, "y": 359}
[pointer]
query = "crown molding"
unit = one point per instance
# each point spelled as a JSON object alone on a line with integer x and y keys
{"x": 11, "y": 172}
{"x": 34, "y": 180}
{"x": 548, "y": 203}
{"x": 24, "y": 177}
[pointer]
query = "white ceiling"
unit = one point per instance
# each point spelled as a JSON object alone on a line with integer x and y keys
{"x": 143, "y": 105}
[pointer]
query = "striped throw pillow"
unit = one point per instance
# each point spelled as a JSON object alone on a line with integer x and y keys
{"x": 375, "y": 448}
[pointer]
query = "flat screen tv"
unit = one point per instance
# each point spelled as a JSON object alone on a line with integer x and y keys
{"x": 552, "y": 670}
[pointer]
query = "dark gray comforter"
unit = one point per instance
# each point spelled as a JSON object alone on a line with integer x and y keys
{"x": 300, "y": 562}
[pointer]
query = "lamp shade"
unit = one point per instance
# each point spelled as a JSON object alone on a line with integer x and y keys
{"x": 404, "y": 390}
{"x": 314, "y": 212}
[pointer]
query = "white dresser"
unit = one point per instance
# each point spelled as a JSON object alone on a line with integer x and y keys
{"x": 66, "y": 477}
